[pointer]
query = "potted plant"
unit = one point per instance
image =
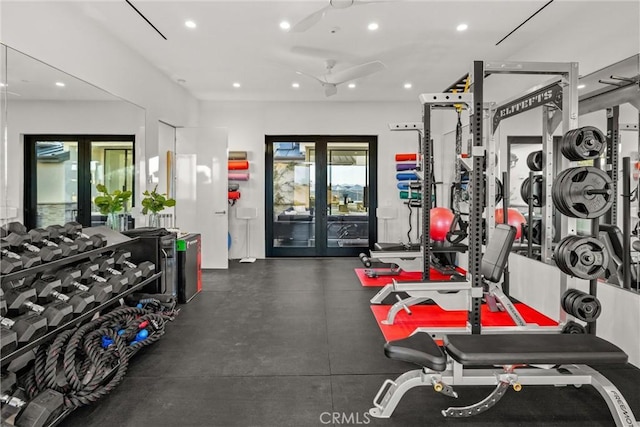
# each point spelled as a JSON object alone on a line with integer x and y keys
{"x": 111, "y": 204}
{"x": 153, "y": 203}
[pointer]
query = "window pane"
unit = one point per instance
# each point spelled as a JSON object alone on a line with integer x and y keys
{"x": 111, "y": 165}
{"x": 57, "y": 182}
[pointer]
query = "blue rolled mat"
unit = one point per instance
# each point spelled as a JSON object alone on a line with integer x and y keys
{"x": 405, "y": 166}
{"x": 403, "y": 185}
{"x": 406, "y": 176}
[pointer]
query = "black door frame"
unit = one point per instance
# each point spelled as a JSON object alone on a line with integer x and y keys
{"x": 320, "y": 249}
{"x": 30, "y": 202}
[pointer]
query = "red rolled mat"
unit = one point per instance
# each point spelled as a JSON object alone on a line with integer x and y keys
{"x": 238, "y": 165}
{"x": 404, "y": 157}
{"x": 234, "y": 195}
{"x": 238, "y": 177}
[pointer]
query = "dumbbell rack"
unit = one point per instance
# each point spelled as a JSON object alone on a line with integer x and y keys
{"x": 83, "y": 317}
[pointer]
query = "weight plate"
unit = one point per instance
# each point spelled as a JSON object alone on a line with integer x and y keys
{"x": 586, "y": 308}
{"x": 526, "y": 188}
{"x": 534, "y": 161}
{"x": 583, "y": 143}
{"x": 572, "y": 327}
{"x": 586, "y": 257}
{"x": 583, "y": 192}
{"x": 566, "y": 300}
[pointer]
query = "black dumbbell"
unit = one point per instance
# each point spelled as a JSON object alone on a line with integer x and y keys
{"x": 58, "y": 234}
{"x": 23, "y": 241}
{"x": 27, "y": 259}
{"x": 40, "y": 237}
{"x": 74, "y": 229}
{"x": 100, "y": 287}
{"x": 147, "y": 268}
{"x": 106, "y": 266}
{"x": 28, "y": 327}
{"x": 48, "y": 290}
{"x": 20, "y": 300}
{"x": 9, "y": 262}
{"x": 75, "y": 290}
{"x": 11, "y": 405}
{"x": 3, "y": 303}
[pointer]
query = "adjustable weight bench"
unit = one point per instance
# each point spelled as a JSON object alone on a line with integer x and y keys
{"x": 457, "y": 295}
{"x": 404, "y": 257}
{"x": 518, "y": 360}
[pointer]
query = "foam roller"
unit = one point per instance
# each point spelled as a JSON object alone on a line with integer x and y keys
{"x": 406, "y": 166}
{"x": 238, "y": 165}
{"x": 405, "y": 195}
{"x": 234, "y": 187}
{"x": 237, "y": 155}
{"x": 406, "y": 176}
{"x": 233, "y": 195}
{"x": 405, "y": 157}
{"x": 403, "y": 185}
{"x": 238, "y": 177}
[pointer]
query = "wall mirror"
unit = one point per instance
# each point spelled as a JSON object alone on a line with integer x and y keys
{"x": 61, "y": 137}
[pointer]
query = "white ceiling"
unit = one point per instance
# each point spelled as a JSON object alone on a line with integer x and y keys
{"x": 417, "y": 40}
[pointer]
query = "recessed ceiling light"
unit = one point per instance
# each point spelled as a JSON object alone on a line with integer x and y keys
{"x": 352, "y": 85}
{"x": 581, "y": 86}
{"x": 190, "y": 24}
{"x": 59, "y": 84}
{"x": 236, "y": 85}
{"x": 408, "y": 85}
{"x": 285, "y": 25}
{"x": 373, "y": 26}
{"x": 462, "y": 27}
{"x": 295, "y": 85}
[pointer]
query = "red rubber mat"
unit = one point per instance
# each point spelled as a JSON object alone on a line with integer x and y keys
{"x": 404, "y": 276}
{"x": 425, "y": 316}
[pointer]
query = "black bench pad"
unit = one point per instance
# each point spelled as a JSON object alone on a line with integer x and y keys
{"x": 508, "y": 349}
{"x": 420, "y": 349}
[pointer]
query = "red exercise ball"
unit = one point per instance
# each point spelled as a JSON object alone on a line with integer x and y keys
{"x": 440, "y": 220}
{"x": 514, "y": 218}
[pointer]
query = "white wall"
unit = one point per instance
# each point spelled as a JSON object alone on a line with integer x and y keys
{"x": 249, "y": 122}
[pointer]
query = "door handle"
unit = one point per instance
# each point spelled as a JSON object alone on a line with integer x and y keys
{"x": 220, "y": 212}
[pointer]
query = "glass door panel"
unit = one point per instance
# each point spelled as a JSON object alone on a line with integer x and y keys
{"x": 57, "y": 182}
{"x": 111, "y": 164}
{"x": 347, "y": 195}
{"x": 294, "y": 193}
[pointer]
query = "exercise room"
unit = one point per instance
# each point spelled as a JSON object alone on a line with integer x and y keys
{"x": 319, "y": 213}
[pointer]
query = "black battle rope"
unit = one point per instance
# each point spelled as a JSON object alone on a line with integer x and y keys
{"x": 88, "y": 362}
{"x": 410, "y": 225}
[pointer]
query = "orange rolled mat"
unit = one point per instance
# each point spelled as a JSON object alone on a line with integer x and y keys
{"x": 234, "y": 195}
{"x": 238, "y": 165}
{"x": 404, "y": 157}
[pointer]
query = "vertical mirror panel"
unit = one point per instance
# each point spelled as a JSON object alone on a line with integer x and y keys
{"x": 294, "y": 193}
{"x": 57, "y": 182}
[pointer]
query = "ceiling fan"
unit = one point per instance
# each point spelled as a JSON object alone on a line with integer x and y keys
{"x": 315, "y": 17}
{"x": 330, "y": 80}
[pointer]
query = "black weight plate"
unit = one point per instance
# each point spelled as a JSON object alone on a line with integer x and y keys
{"x": 583, "y": 143}
{"x": 571, "y": 299}
{"x": 566, "y": 300}
{"x": 572, "y": 192}
{"x": 524, "y": 189}
{"x": 572, "y": 327}
{"x": 586, "y": 308}
{"x": 558, "y": 254}
{"x": 499, "y": 191}
{"x": 534, "y": 161}
{"x": 586, "y": 258}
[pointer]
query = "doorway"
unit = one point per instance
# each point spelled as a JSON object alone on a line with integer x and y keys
{"x": 320, "y": 195}
{"x": 61, "y": 173}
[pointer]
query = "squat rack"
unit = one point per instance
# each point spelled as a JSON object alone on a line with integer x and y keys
{"x": 567, "y": 75}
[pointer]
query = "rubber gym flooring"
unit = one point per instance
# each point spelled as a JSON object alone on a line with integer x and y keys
{"x": 288, "y": 342}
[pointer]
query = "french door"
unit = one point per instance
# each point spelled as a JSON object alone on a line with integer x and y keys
{"x": 320, "y": 195}
{"x": 61, "y": 173}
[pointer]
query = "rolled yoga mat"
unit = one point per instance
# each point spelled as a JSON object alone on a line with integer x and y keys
{"x": 406, "y": 157}
{"x": 234, "y": 187}
{"x": 233, "y": 195}
{"x": 405, "y": 195}
{"x": 406, "y": 176}
{"x": 405, "y": 166}
{"x": 238, "y": 165}
{"x": 238, "y": 177}
{"x": 403, "y": 185}
{"x": 237, "y": 155}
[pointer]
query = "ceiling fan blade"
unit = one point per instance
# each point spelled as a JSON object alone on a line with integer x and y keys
{"x": 302, "y": 73}
{"x": 329, "y": 89}
{"x": 309, "y": 21}
{"x": 319, "y": 53}
{"x": 354, "y": 72}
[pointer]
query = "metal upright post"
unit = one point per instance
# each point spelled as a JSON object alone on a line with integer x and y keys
{"x": 613, "y": 143}
{"x": 426, "y": 193}
{"x": 505, "y": 218}
{"x": 477, "y": 198}
{"x": 626, "y": 222}
{"x": 547, "y": 182}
